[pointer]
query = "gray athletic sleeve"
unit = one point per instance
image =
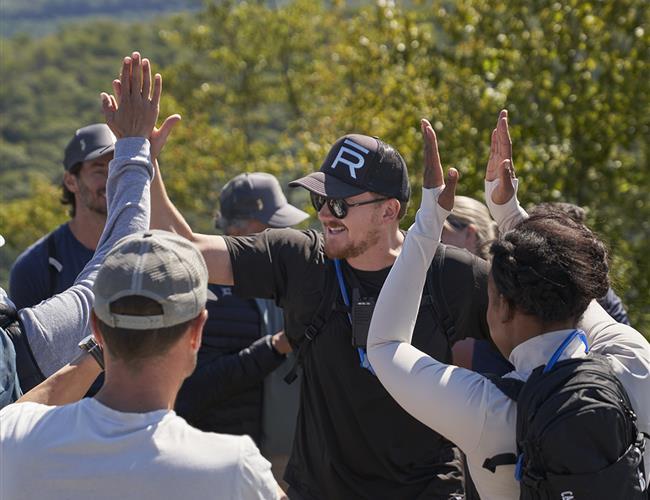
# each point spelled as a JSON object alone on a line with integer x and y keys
{"x": 55, "y": 327}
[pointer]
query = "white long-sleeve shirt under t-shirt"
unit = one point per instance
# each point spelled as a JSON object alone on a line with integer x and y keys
{"x": 462, "y": 405}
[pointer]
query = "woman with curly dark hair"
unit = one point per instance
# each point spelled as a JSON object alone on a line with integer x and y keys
{"x": 546, "y": 271}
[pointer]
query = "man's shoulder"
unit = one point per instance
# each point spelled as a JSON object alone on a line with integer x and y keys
{"x": 19, "y": 419}
{"x": 222, "y": 449}
{"x": 293, "y": 237}
{"x": 281, "y": 244}
{"x": 232, "y": 462}
{"x": 458, "y": 263}
{"x": 34, "y": 252}
{"x": 454, "y": 256}
{"x": 37, "y": 252}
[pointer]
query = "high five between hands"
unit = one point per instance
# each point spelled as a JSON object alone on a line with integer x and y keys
{"x": 132, "y": 111}
{"x": 499, "y": 164}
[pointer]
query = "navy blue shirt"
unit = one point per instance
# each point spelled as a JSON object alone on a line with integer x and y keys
{"x": 30, "y": 279}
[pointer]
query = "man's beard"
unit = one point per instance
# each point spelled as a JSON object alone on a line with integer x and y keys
{"x": 92, "y": 202}
{"x": 352, "y": 250}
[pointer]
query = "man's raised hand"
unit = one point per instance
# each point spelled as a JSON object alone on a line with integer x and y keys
{"x": 433, "y": 176}
{"x": 500, "y": 164}
{"x": 133, "y": 109}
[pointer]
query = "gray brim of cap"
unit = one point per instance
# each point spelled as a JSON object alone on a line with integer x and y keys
{"x": 286, "y": 216}
{"x": 99, "y": 152}
{"x": 327, "y": 185}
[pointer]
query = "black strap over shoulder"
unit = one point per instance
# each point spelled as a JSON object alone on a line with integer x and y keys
{"x": 29, "y": 374}
{"x": 511, "y": 387}
{"x": 436, "y": 294}
{"x": 8, "y": 315}
{"x": 327, "y": 305}
{"x": 53, "y": 264}
{"x": 491, "y": 464}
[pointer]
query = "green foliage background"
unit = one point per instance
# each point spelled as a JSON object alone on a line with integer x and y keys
{"x": 265, "y": 87}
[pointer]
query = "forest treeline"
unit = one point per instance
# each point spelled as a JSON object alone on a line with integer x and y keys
{"x": 38, "y": 17}
{"x": 266, "y": 87}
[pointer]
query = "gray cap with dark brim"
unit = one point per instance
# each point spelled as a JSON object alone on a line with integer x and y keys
{"x": 89, "y": 143}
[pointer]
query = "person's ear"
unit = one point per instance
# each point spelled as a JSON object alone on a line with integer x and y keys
{"x": 70, "y": 182}
{"x": 391, "y": 209}
{"x": 196, "y": 330}
{"x": 471, "y": 238}
{"x": 94, "y": 328}
{"x": 506, "y": 309}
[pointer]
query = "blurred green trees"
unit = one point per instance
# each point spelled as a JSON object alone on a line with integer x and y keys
{"x": 269, "y": 88}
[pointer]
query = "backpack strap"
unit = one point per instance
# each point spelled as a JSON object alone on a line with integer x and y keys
{"x": 8, "y": 315}
{"x": 319, "y": 319}
{"x": 491, "y": 464}
{"x": 54, "y": 265}
{"x": 437, "y": 299}
{"x": 29, "y": 374}
{"x": 511, "y": 387}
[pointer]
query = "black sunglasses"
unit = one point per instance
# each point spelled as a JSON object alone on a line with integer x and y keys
{"x": 456, "y": 223}
{"x": 338, "y": 206}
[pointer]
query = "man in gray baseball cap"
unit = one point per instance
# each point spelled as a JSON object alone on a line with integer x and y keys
{"x": 159, "y": 266}
{"x": 149, "y": 310}
{"x": 51, "y": 264}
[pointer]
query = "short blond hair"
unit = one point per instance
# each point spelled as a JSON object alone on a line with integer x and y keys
{"x": 471, "y": 211}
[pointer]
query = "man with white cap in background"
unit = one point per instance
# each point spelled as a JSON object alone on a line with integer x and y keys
{"x": 243, "y": 339}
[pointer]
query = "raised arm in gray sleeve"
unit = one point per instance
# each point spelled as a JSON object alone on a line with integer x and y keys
{"x": 55, "y": 327}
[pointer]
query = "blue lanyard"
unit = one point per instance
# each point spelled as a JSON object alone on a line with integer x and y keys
{"x": 551, "y": 363}
{"x": 364, "y": 362}
{"x": 558, "y": 352}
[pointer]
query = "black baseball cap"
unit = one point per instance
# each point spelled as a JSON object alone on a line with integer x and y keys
{"x": 88, "y": 143}
{"x": 258, "y": 196}
{"x": 356, "y": 164}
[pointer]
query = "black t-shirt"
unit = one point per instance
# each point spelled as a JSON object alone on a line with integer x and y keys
{"x": 352, "y": 439}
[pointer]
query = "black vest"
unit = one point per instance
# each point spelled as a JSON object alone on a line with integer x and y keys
{"x": 233, "y": 324}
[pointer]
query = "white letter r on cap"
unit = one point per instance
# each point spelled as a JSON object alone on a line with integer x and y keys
{"x": 352, "y": 166}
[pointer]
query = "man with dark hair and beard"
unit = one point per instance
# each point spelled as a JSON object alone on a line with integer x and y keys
{"x": 51, "y": 265}
{"x": 352, "y": 440}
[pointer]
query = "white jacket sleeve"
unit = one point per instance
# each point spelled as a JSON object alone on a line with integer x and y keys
{"x": 55, "y": 326}
{"x": 510, "y": 213}
{"x": 450, "y": 400}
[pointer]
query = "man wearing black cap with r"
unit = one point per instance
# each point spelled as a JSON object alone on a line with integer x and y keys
{"x": 327, "y": 283}
{"x": 51, "y": 265}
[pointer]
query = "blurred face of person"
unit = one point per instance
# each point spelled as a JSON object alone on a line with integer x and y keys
{"x": 89, "y": 185}
{"x": 357, "y": 232}
{"x": 459, "y": 234}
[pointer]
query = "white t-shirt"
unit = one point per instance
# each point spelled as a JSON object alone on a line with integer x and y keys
{"x": 86, "y": 450}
